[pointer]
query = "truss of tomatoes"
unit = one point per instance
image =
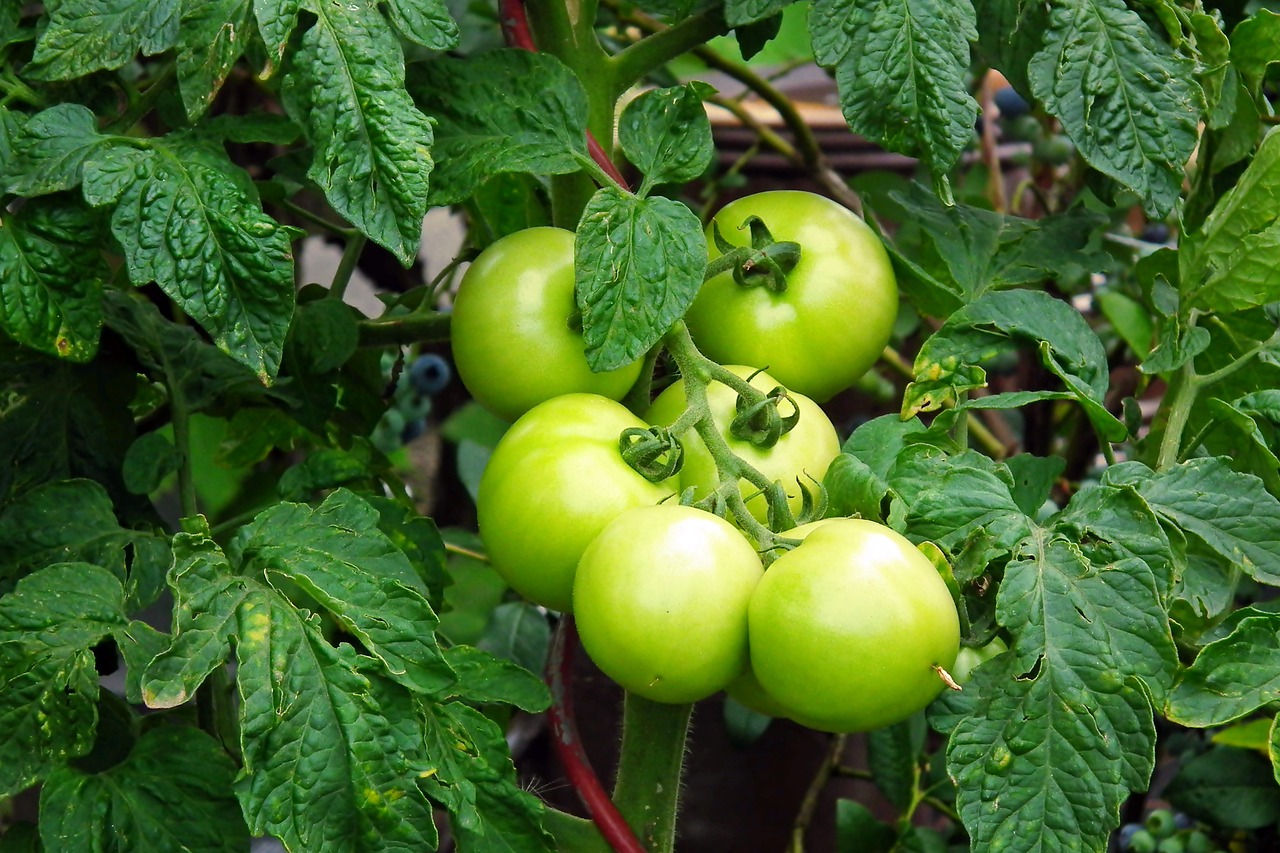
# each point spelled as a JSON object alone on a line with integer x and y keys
{"x": 845, "y": 632}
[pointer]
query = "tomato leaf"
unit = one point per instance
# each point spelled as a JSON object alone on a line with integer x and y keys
{"x": 1230, "y": 678}
{"x": 53, "y": 272}
{"x": 1255, "y": 47}
{"x": 372, "y": 158}
{"x": 1228, "y": 265}
{"x": 426, "y": 22}
{"x": 84, "y": 36}
{"x": 212, "y": 36}
{"x": 503, "y": 111}
{"x": 153, "y": 793}
{"x": 900, "y": 68}
{"x": 1232, "y": 788}
{"x": 893, "y": 756}
{"x": 49, "y": 150}
{"x": 1231, "y": 513}
{"x": 945, "y": 499}
{"x": 666, "y": 134}
{"x": 1128, "y": 100}
{"x": 49, "y": 625}
{"x": 483, "y": 677}
{"x": 320, "y": 757}
{"x": 740, "y": 12}
{"x": 638, "y": 265}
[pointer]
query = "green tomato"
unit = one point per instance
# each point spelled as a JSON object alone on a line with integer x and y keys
{"x": 554, "y": 481}
{"x": 970, "y": 658}
{"x": 833, "y": 320}
{"x": 746, "y": 689}
{"x": 846, "y": 629}
{"x": 805, "y": 452}
{"x": 660, "y": 600}
{"x": 513, "y": 343}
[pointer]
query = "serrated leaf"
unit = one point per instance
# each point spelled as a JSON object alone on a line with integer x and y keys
{"x": 426, "y": 22}
{"x": 185, "y": 222}
{"x": 893, "y": 757}
{"x": 968, "y": 251}
{"x": 947, "y": 498}
{"x": 1227, "y": 265}
{"x": 212, "y": 36}
{"x": 84, "y": 36}
{"x": 326, "y": 468}
{"x": 150, "y": 459}
{"x": 1230, "y": 678}
{"x": 1255, "y": 47}
{"x": 483, "y": 677}
{"x": 1011, "y": 33}
{"x": 48, "y": 154}
{"x": 1033, "y": 479}
{"x": 336, "y": 554}
{"x": 1230, "y": 512}
{"x": 1114, "y": 523}
{"x": 900, "y": 69}
{"x": 947, "y": 365}
{"x": 11, "y": 127}
{"x": 51, "y": 278}
{"x": 152, "y": 798}
{"x": 1049, "y": 755}
{"x": 853, "y": 488}
{"x": 1228, "y": 787}
{"x": 321, "y": 766}
{"x": 49, "y": 625}
{"x": 638, "y": 264}
{"x": 666, "y": 134}
{"x": 345, "y": 88}
{"x": 502, "y": 111}
{"x": 1127, "y": 100}
{"x": 1177, "y": 345}
{"x": 1248, "y": 448}
{"x": 276, "y": 22}
{"x": 740, "y": 12}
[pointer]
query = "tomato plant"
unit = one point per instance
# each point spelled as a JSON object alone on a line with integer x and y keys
{"x": 826, "y": 326}
{"x": 798, "y": 459}
{"x": 512, "y": 330}
{"x": 849, "y": 629}
{"x": 660, "y": 599}
{"x": 554, "y": 481}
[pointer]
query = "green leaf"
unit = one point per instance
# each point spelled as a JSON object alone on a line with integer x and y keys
{"x": 1231, "y": 788}
{"x": 152, "y": 798}
{"x": 1252, "y": 734}
{"x": 1230, "y": 678}
{"x": 518, "y": 631}
{"x": 150, "y": 459}
{"x": 11, "y": 127}
{"x": 84, "y": 36}
{"x": 853, "y": 488}
{"x": 326, "y": 468}
{"x": 948, "y": 363}
{"x": 482, "y": 677}
{"x": 893, "y": 757}
{"x": 1231, "y": 513}
{"x": 1129, "y": 102}
{"x": 900, "y": 68}
{"x": 502, "y": 111}
{"x": 186, "y": 222}
{"x": 1063, "y": 728}
{"x": 51, "y": 277}
{"x": 1115, "y": 523}
{"x": 426, "y": 22}
{"x": 345, "y": 88}
{"x": 859, "y": 831}
{"x": 334, "y": 554}
{"x": 1130, "y": 318}
{"x": 1012, "y": 32}
{"x": 1228, "y": 264}
{"x": 666, "y": 134}
{"x": 968, "y": 251}
{"x": 212, "y": 36}
{"x": 276, "y": 22}
{"x": 1255, "y": 47}
{"x": 638, "y": 264}
{"x": 49, "y": 625}
{"x": 1033, "y": 480}
{"x": 176, "y": 354}
{"x": 322, "y": 769}
{"x": 48, "y": 154}
{"x": 740, "y": 12}
{"x": 1177, "y": 345}
{"x": 1249, "y": 448}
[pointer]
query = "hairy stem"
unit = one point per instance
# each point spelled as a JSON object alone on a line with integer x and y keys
{"x": 649, "y": 769}
{"x": 347, "y": 266}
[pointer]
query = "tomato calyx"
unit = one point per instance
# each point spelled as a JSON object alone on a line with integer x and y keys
{"x": 767, "y": 263}
{"x": 760, "y": 422}
{"x": 654, "y": 452}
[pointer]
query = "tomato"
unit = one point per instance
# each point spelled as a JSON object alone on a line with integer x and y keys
{"x": 805, "y": 452}
{"x": 513, "y": 343}
{"x": 834, "y": 318}
{"x": 660, "y": 600}
{"x": 554, "y": 481}
{"x": 846, "y": 629}
{"x": 970, "y": 658}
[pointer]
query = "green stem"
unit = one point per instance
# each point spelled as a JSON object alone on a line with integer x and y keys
{"x": 663, "y": 44}
{"x": 404, "y": 329}
{"x": 649, "y": 768}
{"x": 187, "y": 501}
{"x": 144, "y": 103}
{"x": 638, "y": 398}
{"x": 573, "y": 834}
{"x": 350, "y": 258}
{"x": 809, "y": 806}
{"x": 319, "y": 221}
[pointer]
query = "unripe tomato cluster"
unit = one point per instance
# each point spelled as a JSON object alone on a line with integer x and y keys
{"x": 844, "y": 632}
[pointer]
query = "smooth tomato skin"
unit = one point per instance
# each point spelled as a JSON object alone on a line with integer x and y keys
{"x": 660, "y": 600}
{"x": 512, "y": 342}
{"x": 805, "y": 452}
{"x": 829, "y": 326}
{"x": 554, "y": 481}
{"x": 846, "y": 628}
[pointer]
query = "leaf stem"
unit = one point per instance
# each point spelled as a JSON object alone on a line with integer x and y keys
{"x": 404, "y": 329}
{"x": 350, "y": 258}
{"x": 663, "y": 44}
{"x": 319, "y": 221}
{"x": 809, "y": 805}
{"x": 144, "y": 102}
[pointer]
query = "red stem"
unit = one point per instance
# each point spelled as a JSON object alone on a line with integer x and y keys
{"x": 564, "y": 733}
{"x": 516, "y": 32}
